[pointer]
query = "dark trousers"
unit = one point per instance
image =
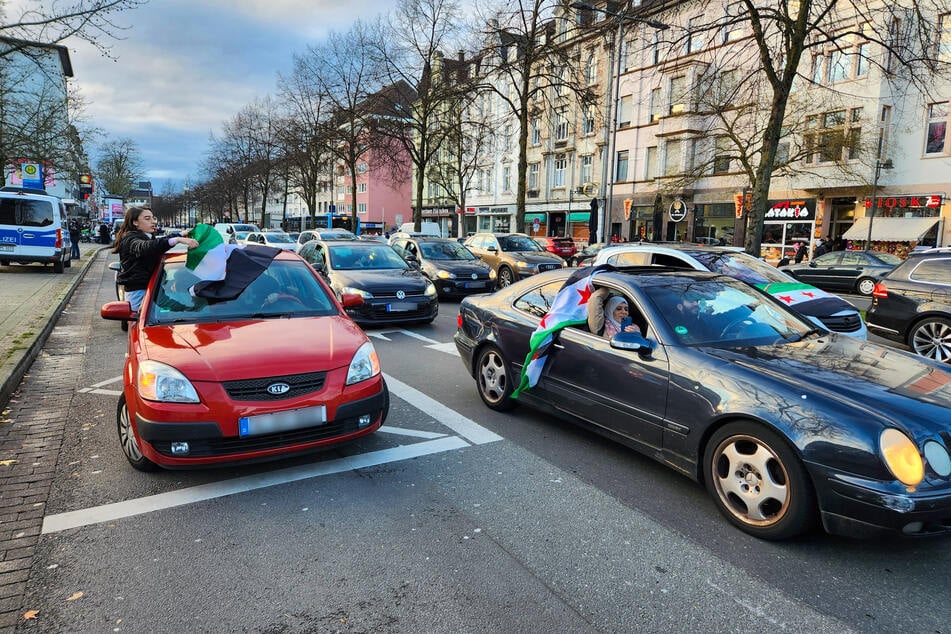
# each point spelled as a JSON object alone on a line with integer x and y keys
{"x": 75, "y": 253}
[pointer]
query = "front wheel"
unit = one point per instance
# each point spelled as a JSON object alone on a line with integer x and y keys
{"x": 758, "y": 482}
{"x": 128, "y": 441}
{"x": 495, "y": 380}
{"x": 865, "y": 286}
{"x": 931, "y": 338}
{"x": 506, "y": 277}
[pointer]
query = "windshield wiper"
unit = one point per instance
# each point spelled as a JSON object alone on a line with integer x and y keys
{"x": 808, "y": 333}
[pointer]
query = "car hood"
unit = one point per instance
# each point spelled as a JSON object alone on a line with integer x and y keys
{"x": 806, "y": 299}
{"x": 463, "y": 268}
{"x": 867, "y": 377}
{"x": 249, "y": 349}
{"x": 534, "y": 257}
{"x": 381, "y": 280}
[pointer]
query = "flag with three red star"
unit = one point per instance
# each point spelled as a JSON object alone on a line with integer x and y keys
{"x": 570, "y": 308}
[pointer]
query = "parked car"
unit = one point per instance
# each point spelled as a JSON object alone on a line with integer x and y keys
{"x": 845, "y": 271}
{"x": 450, "y": 266}
{"x": 373, "y": 238}
{"x": 34, "y": 228}
{"x": 396, "y": 235}
{"x": 912, "y": 304}
{"x": 825, "y": 310}
{"x": 392, "y": 290}
{"x": 562, "y": 247}
{"x": 201, "y": 389}
{"x": 784, "y": 424}
{"x": 512, "y": 255}
{"x": 586, "y": 254}
{"x": 229, "y": 229}
{"x": 324, "y": 234}
{"x": 276, "y": 239}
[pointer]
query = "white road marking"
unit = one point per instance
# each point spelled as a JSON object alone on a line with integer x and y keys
{"x": 87, "y": 390}
{"x": 448, "y": 348}
{"x": 378, "y": 335}
{"x": 115, "y": 379}
{"x": 119, "y": 510}
{"x": 411, "y": 432}
{"x": 410, "y": 333}
{"x": 465, "y": 427}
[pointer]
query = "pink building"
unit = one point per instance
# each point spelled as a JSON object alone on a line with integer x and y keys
{"x": 384, "y": 193}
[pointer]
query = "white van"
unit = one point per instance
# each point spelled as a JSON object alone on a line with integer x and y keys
{"x": 425, "y": 229}
{"x": 33, "y": 228}
{"x": 228, "y": 229}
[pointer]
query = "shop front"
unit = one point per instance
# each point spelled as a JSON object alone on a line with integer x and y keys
{"x": 714, "y": 220}
{"x": 494, "y": 220}
{"x": 899, "y": 224}
{"x": 786, "y": 223}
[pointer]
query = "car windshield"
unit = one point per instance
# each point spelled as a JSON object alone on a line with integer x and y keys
{"x": 285, "y": 289}
{"x": 278, "y": 238}
{"x": 741, "y": 266}
{"x": 887, "y": 258}
{"x": 337, "y": 235}
{"x": 240, "y": 235}
{"x": 366, "y": 256}
{"x": 445, "y": 251}
{"x": 518, "y": 243}
{"x": 724, "y": 313}
{"x": 246, "y": 228}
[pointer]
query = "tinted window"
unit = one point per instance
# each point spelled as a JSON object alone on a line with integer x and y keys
{"x": 29, "y": 213}
{"x": 741, "y": 266}
{"x": 934, "y": 271}
{"x": 538, "y": 301}
{"x": 855, "y": 259}
{"x": 445, "y": 251}
{"x": 368, "y": 257}
{"x": 887, "y": 258}
{"x": 518, "y": 243}
{"x": 828, "y": 258}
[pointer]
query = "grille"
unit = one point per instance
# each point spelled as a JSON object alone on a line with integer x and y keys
{"x": 548, "y": 267}
{"x": 843, "y": 323}
{"x": 233, "y": 446}
{"x": 393, "y": 293}
{"x": 256, "y": 389}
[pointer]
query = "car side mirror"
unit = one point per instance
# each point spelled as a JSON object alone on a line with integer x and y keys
{"x": 117, "y": 311}
{"x": 492, "y": 249}
{"x": 812, "y": 264}
{"x": 351, "y": 300}
{"x": 633, "y": 341}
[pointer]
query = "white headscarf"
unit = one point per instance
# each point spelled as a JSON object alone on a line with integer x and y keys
{"x": 609, "y": 307}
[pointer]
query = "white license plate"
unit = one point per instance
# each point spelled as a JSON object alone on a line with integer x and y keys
{"x": 397, "y": 307}
{"x": 282, "y": 421}
{"x": 7, "y": 248}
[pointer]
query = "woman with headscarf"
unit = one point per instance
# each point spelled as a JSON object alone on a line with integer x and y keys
{"x": 615, "y": 311}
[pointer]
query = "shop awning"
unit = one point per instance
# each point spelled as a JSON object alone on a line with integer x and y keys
{"x": 533, "y": 217}
{"x": 891, "y": 229}
{"x": 579, "y": 216}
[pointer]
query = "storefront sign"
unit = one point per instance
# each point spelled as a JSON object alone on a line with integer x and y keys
{"x": 927, "y": 201}
{"x": 802, "y": 209}
{"x": 677, "y": 212}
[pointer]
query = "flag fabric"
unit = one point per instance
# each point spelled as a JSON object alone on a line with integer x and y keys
{"x": 225, "y": 270}
{"x": 805, "y": 299}
{"x": 570, "y": 308}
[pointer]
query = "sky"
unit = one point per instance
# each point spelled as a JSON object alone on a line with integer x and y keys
{"x": 184, "y": 67}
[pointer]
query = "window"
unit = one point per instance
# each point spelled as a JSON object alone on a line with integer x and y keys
{"x": 817, "y": 64}
{"x": 361, "y": 208}
{"x": 838, "y": 68}
{"x": 620, "y": 173}
{"x": 944, "y": 37}
{"x": 361, "y": 188}
{"x": 651, "y": 162}
{"x": 673, "y": 157}
{"x": 586, "y": 165}
{"x": 883, "y": 124}
{"x": 588, "y": 123}
{"x": 696, "y": 36}
{"x": 656, "y": 104}
{"x": 559, "y": 177}
{"x": 937, "y": 128}
{"x": 861, "y": 60}
{"x": 678, "y": 94}
{"x": 833, "y": 136}
{"x": 361, "y": 168}
{"x": 624, "y": 111}
{"x": 533, "y": 176}
{"x": 732, "y": 25}
{"x": 506, "y": 179}
{"x": 721, "y": 157}
{"x": 591, "y": 70}
{"x": 536, "y": 133}
{"x": 656, "y": 48}
{"x": 506, "y": 137}
{"x": 561, "y": 125}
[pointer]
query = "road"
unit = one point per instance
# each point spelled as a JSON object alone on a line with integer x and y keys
{"x": 452, "y": 518}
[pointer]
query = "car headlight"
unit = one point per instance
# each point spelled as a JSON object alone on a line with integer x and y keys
{"x": 492, "y": 274}
{"x": 430, "y": 289}
{"x": 445, "y": 275}
{"x": 938, "y": 458}
{"x": 901, "y": 457}
{"x": 365, "y": 364}
{"x": 357, "y": 291}
{"x": 524, "y": 265}
{"x": 159, "y": 382}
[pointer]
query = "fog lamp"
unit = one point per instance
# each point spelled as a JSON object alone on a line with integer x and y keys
{"x": 364, "y": 420}
{"x": 180, "y": 449}
{"x": 912, "y": 527}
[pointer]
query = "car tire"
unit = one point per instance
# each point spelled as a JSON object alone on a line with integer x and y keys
{"x": 4, "y": 262}
{"x": 758, "y": 482}
{"x": 931, "y": 338}
{"x": 128, "y": 441}
{"x": 58, "y": 266}
{"x": 506, "y": 277}
{"x": 495, "y": 380}
{"x": 864, "y": 286}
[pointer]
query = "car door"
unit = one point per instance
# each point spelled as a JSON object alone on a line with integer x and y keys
{"x": 850, "y": 267}
{"x": 822, "y": 271}
{"x": 619, "y": 390}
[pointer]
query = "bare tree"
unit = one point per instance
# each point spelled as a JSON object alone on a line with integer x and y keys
{"x": 119, "y": 166}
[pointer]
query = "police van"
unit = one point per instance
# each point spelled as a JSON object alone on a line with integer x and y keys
{"x": 33, "y": 228}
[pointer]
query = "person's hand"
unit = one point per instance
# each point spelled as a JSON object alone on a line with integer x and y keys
{"x": 631, "y": 328}
{"x": 191, "y": 243}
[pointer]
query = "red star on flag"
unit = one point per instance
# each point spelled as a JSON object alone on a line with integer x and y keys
{"x": 585, "y": 295}
{"x": 808, "y": 294}
{"x": 544, "y": 319}
{"x": 786, "y": 298}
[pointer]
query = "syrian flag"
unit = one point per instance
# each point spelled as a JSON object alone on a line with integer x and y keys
{"x": 570, "y": 308}
{"x": 807, "y": 300}
{"x": 225, "y": 269}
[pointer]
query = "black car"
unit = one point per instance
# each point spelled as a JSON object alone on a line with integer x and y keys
{"x": 392, "y": 290}
{"x": 586, "y": 254}
{"x": 785, "y": 424}
{"x": 912, "y": 304}
{"x": 845, "y": 271}
{"x": 450, "y": 266}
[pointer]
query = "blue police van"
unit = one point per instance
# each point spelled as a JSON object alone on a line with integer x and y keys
{"x": 33, "y": 228}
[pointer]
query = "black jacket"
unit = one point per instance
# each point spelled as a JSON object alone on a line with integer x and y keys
{"x": 139, "y": 255}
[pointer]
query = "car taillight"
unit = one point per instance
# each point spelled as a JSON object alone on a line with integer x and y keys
{"x": 59, "y": 238}
{"x": 880, "y": 291}
{"x": 459, "y": 320}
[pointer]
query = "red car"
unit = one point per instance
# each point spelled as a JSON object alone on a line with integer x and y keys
{"x": 562, "y": 247}
{"x": 279, "y": 370}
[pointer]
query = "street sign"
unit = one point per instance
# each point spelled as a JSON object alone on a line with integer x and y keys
{"x": 677, "y": 211}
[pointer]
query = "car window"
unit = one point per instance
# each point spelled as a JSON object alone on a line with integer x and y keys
{"x": 279, "y": 238}
{"x": 445, "y": 251}
{"x": 855, "y": 259}
{"x": 366, "y": 257}
{"x": 538, "y": 301}
{"x": 933, "y": 271}
{"x": 518, "y": 243}
{"x": 664, "y": 259}
{"x": 630, "y": 259}
{"x": 26, "y": 212}
{"x": 828, "y": 259}
{"x": 742, "y": 266}
{"x": 887, "y": 258}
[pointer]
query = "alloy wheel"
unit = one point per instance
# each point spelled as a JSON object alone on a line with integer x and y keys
{"x": 932, "y": 339}
{"x": 750, "y": 480}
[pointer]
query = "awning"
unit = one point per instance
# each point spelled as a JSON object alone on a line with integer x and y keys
{"x": 579, "y": 216}
{"x": 533, "y": 217}
{"x": 891, "y": 229}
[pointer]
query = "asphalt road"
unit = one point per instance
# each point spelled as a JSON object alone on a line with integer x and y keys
{"x": 452, "y": 519}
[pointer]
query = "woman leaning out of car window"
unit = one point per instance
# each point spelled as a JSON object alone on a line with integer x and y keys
{"x": 140, "y": 252}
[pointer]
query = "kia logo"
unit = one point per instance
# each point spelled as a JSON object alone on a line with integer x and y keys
{"x": 400, "y": 295}
{"x": 278, "y": 388}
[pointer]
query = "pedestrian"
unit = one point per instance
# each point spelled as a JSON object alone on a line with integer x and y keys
{"x": 139, "y": 252}
{"x": 75, "y": 234}
{"x": 104, "y": 237}
{"x": 800, "y": 252}
{"x": 821, "y": 248}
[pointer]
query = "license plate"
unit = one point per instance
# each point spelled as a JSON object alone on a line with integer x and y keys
{"x": 475, "y": 284}
{"x": 282, "y": 421}
{"x": 7, "y": 248}
{"x": 397, "y": 307}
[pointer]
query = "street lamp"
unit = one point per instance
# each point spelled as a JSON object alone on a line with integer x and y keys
{"x": 614, "y": 71}
{"x": 879, "y": 166}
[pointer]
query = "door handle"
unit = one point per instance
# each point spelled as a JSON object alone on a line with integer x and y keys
{"x": 557, "y": 346}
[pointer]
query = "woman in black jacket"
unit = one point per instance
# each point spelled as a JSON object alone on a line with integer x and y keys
{"x": 139, "y": 253}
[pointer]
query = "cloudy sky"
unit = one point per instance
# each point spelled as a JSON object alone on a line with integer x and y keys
{"x": 184, "y": 67}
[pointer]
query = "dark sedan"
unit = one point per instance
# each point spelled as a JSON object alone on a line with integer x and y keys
{"x": 450, "y": 266}
{"x": 785, "y": 424}
{"x": 392, "y": 290}
{"x": 845, "y": 271}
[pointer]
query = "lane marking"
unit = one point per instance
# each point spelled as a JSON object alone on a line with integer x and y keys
{"x": 411, "y": 432}
{"x": 465, "y": 427}
{"x": 89, "y": 390}
{"x": 414, "y": 335}
{"x": 448, "y": 348}
{"x": 108, "y": 381}
{"x": 140, "y": 506}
